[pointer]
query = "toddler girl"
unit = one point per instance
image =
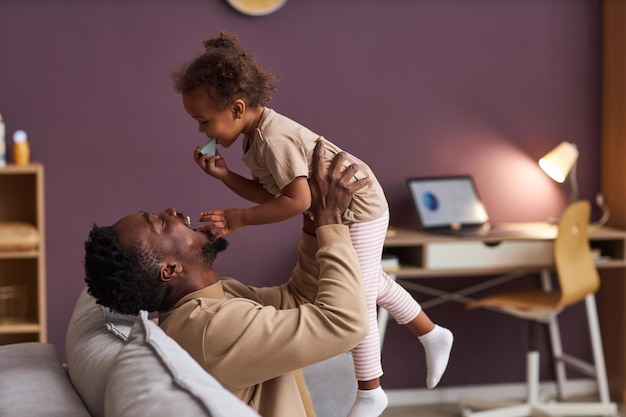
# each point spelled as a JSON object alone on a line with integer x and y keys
{"x": 225, "y": 90}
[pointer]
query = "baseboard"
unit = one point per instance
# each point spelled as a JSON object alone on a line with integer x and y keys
{"x": 516, "y": 391}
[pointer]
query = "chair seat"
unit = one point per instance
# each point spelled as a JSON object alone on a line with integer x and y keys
{"x": 527, "y": 299}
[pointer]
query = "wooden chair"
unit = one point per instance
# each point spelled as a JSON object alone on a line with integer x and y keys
{"x": 578, "y": 281}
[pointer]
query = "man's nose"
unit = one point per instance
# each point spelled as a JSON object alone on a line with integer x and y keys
{"x": 170, "y": 211}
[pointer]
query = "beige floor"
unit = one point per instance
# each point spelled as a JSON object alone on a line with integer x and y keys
{"x": 447, "y": 410}
{"x": 425, "y": 411}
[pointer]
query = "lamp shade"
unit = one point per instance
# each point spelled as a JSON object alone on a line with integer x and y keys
{"x": 559, "y": 161}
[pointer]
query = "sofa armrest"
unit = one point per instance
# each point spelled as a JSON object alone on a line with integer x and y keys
{"x": 34, "y": 383}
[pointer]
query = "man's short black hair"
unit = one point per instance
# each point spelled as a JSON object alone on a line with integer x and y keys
{"x": 126, "y": 280}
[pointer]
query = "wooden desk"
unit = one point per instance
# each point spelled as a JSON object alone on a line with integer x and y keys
{"x": 415, "y": 251}
{"x": 424, "y": 255}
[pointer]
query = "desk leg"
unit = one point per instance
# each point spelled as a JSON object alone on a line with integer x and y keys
{"x": 383, "y": 317}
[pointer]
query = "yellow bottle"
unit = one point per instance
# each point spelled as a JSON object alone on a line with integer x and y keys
{"x": 21, "y": 149}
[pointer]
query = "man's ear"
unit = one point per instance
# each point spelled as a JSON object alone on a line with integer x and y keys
{"x": 170, "y": 270}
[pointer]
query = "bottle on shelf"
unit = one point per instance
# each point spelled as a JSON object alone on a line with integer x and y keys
{"x": 21, "y": 149}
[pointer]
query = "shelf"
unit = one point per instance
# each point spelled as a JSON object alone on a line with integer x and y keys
{"x": 19, "y": 327}
{"x": 20, "y": 169}
{"x": 21, "y": 254}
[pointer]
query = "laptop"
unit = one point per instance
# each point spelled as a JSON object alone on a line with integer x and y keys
{"x": 451, "y": 205}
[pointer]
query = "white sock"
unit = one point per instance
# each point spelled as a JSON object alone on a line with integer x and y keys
{"x": 437, "y": 344}
{"x": 369, "y": 403}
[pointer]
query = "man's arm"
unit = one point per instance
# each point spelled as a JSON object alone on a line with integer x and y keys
{"x": 275, "y": 341}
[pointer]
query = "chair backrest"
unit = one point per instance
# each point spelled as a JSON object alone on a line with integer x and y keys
{"x": 575, "y": 266}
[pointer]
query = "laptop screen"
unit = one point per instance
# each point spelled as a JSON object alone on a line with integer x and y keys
{"x": 447, "y": 202}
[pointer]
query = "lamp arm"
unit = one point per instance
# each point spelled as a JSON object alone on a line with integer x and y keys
{"x": 605, "y": 210}
{"x": 573, "y": 181}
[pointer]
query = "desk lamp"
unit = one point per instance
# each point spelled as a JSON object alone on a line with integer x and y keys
{"x": 560, "y": 163}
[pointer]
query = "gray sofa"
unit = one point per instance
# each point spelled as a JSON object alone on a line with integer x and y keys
{"x": 126, "y": 366}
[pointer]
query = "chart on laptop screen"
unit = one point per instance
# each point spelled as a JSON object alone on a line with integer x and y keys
{"x": 447, "y": 202}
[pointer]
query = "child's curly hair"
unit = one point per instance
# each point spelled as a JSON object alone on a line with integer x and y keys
{"x": 226, "y": 72}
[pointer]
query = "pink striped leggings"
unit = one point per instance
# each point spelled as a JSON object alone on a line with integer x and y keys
{"x": 368, "y": 239}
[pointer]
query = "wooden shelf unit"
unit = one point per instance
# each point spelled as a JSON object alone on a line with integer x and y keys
{"x": 22, "y": 200}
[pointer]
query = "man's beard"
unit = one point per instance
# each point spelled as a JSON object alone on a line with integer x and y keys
{"x": 211, "y": 249}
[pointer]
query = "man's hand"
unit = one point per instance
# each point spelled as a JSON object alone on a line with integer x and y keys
{"x": 332, "y": 189}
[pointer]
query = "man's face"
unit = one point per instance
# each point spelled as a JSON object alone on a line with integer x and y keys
{"x": 167, "y": 233}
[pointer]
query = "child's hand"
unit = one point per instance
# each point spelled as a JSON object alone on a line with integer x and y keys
{"x": 214, "y": 165}
{"x": 223, "y": 221}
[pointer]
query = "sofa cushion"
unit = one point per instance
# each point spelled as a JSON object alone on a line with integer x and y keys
{"x": 34, "y": 383}
{"x": 154, "y": 376}
{"x": 94, "y": 337}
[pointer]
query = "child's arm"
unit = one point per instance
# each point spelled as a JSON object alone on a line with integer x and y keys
{"x": 246, "y": 188}
{"x": 295, "y": 199}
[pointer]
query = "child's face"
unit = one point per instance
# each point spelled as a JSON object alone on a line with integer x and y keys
{"x": 213, "y": 122}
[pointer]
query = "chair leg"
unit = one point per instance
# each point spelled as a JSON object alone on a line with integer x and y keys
{"x": 532, "y": 377}
{"x": 596, "y": 345}
{"x": 557, "y": 353}
{"x": 599, "y": 367}
{"x": 532, "y": 365}
{"x": 555, "y": 342}
{"x": 472, "y": 407}
{"x": 532, "y": 406}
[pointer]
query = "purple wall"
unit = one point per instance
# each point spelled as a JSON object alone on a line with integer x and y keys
{"x": 414, "y": 87}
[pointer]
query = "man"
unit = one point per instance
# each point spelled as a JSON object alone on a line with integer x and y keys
{"x": 250, "y": 339}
